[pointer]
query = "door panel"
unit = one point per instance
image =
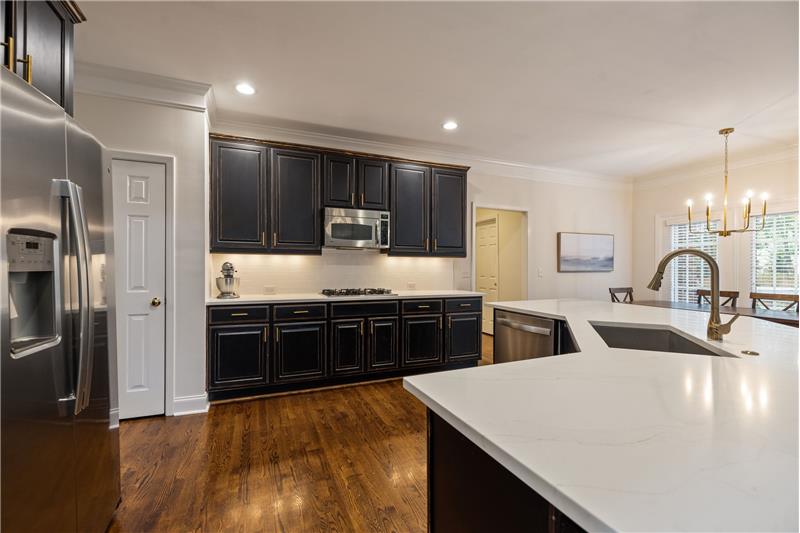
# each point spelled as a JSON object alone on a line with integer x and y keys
{"x": 238, "y": 356}
{"x": 382, "y": 345}
{"x": 299, "y": 351}
{"x": 347, "y": 346}
{"x": 463, "y": 337}
{"x": 296, "y": 201}
{"x": 449, "y": 213}
{"x": 139, "y": 228}
{"x": 373, "y": 184}
{"x": 422, "y": 340}
{"x": 410, "y": 209}
{"x": 340, "y": 181}
{"x": 238, "y": 196}
{"x": 486, "y": 264}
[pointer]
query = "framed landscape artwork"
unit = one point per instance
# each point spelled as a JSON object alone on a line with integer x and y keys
{"x": 585, "y": 252}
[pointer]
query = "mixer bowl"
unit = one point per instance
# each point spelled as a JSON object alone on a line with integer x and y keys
{"x": 228, "y": 287}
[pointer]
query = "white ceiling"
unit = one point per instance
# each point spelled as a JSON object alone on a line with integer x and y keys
{"x": 619, "y": 90}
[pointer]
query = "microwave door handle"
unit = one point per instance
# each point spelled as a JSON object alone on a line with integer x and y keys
{"x": 378, "y": 233}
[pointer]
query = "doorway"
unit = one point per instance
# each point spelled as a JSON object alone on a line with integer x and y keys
{"x": 139, "y": 191}
{"x": 501, "y": 258}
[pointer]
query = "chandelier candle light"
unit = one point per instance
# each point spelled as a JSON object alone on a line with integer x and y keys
{"x": 746, "y": 203}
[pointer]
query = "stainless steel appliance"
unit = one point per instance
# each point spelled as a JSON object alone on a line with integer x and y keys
{"x": 518, "y": 337}
{"x": 357, "y": 292}
{"x": 228, "y": 284}
{"x": 59, "y": 463}
{"x": 356, "y": 228}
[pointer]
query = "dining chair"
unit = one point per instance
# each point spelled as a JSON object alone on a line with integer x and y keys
{"x": 627, "y": 291}
{"x": 759, "y": 297}
{"x": 731, "y": 297}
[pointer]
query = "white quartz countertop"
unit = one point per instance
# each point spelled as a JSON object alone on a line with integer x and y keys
{"x": 302, "y": 297}
{"x": 633, "y": 440}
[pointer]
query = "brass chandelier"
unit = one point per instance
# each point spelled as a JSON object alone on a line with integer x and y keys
{"x": 747, "y": 202}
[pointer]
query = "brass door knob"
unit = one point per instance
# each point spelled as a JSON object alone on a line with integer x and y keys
{"x": 155, "y": 302}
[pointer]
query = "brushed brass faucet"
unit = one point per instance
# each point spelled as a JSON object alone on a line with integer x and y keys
{"x": 716, "y": 329}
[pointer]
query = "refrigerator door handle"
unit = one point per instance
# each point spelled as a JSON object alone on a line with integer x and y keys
{"x": 79, "y": 228}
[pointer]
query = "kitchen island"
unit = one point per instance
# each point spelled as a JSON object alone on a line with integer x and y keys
{"x": 619, "y": 439}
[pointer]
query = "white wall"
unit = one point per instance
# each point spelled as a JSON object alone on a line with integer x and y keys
{"x": 552, "y": 208}
{"x": 665, "y": 199}
{"x": 139, "y": 127}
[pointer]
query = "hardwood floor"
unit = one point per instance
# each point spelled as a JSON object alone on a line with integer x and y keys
{"x": 350, "y": 459}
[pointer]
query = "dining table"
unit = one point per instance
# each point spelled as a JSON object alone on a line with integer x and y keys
{"x": 789, "y": 318}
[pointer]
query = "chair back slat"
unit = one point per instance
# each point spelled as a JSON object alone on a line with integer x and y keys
{"x": 731, "y": 297}
{"x": 627, "y": 291}
{"x": 759, "y": 297}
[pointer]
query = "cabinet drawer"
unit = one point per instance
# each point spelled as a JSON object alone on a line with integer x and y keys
{"x": 230, "y": 314}
{"x": 299, "y": 312}
{"x": 421, "y": 306}
{"x": 348, "y": 309}
{"x": 463, "y": 304}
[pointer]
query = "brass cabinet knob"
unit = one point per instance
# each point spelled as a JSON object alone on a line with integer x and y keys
{"x": 155, "y": 302}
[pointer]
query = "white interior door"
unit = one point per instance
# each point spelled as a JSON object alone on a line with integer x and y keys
{"x": 486, "y": 268}
{"x": 139, "y": 190}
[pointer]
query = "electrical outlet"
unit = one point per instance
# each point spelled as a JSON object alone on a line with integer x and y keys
{"x": 411, "y": 285}
{"x": 269, "y": 289}
{"x": 540, "y": 272}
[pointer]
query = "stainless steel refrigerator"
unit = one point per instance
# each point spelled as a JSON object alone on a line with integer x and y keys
{"x": 60, "y": 449}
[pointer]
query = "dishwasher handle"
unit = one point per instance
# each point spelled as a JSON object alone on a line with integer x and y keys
{"x": 524, "y": 327}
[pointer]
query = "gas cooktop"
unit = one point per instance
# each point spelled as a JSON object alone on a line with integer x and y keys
{"x": 356, "y": 292}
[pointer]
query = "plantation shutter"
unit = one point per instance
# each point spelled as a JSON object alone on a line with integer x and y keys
{"x": 690, "y": 273}
{"x": 774, "y": 254}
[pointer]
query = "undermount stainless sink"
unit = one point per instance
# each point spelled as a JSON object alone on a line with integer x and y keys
{"x": 652, "y": 338}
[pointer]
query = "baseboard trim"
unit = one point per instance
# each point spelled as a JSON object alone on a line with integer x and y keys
{"x": 189, "y": 405}
{"x": 113, "y": 416}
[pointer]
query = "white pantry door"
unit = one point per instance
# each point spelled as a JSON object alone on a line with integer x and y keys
{"x": 139, "y": 190}
{"x": 486, "y": 269}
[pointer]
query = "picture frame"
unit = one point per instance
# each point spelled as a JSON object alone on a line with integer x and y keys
{"x": 585, "y": 252}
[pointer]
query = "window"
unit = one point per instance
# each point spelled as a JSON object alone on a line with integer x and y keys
{"x": 774, "y": 254}
{"x": 690, "y": 273}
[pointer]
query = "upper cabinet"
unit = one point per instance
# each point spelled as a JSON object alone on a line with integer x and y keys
{"x": 38, "y": 45}
{"x": 269, "y": 197}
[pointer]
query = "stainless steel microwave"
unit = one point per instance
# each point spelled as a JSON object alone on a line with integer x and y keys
{"x": 356, "y": 228}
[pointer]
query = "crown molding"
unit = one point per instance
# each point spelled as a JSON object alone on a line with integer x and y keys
{"x": 478, "y": 164}
{"x": 113, "y": 82}
{"x": 781, "y": 154}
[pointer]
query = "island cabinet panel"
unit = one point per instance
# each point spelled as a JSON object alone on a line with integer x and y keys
{"x": 448, "y": 215}
{"x": 347, "y": 346}
{"x": 411, "y": 201}
{"x": 373, "y": 184}
{"x": 382, "y": 344}
{"x": 422, "y": 340}
{"x": 238, "y": 356}
{"x": 299, "y": 350}
{"x": 238, "y": 197}
{"x": 296, "y": 201}
{"x": 339, "y": 181}
{"x": 463, "y": 336}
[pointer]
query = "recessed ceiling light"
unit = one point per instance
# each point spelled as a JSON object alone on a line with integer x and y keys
{"x": 245, "y": 88}
{"x": 450, "y": 125}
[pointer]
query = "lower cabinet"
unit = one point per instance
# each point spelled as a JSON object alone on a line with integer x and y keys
{"x": 347, "y": 346}
{"x": 422, "y": 340}
{"x": 463, "y": 336}
{"x": 382, "y": 345}
{"x": 237, "y": 356}
{"x": 299, "y": 351}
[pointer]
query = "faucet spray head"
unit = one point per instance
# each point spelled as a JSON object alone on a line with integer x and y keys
{"x": 655, "y": 283}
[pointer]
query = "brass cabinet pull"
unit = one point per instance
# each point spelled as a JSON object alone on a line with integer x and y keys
{"x": 11, "y": 64}
{"x": 362, "y": 199}
{"x": 353, "y": 199}
{"x": 239, "y": 314}
{"x": 465, "y": 305}
{"x": 28, "y": 62}
{"x": 274, "y": 238}
{"x": 277, "y": 335}
{"x": 424, "y": 306}
{"x": 263, "y": 238}
{"x": 361, "y": 328}
{"x": 440, "y": 323}
{"x": 435, "y": 244}
{"x": 300, "y": 312}
{"x": 372, "y": 328}
{"x": 449, "y": 322}
{"x": 427, "y": 244}
{"x": 266, "y": 334}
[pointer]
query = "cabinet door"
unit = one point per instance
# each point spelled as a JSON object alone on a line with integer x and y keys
{"x": 296, "y": 201}
{"x": 238, "y": 197}
{"x": 463, "y": 336}
{"x": 299, "y": 351}
{"x": 340, "y": 181}
{"x": 448, "y": 216}
{"x": 237, "y": 356}
{"x": 347, "y": 346}
{"x": 422, "y": 340}
{"x": 45, "y": 33}
{"x": 410, "y": 222}
{"x": 373, "y": 184}
{"x": 382, "y": 344}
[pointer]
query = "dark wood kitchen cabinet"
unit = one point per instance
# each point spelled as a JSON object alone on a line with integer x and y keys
{"x": 411, "y": 209}
{"x": 382, "y": 345}
{"x": 347, "y": 346}
{"x": 422, "y": 340}
{"x": 355, "y": 183}
{"x": 238, "y": 356}
{"x": 462, "y": 338}
{"x": 239, "y": 189}
{"x": 295, "y": 201}
{"x": 373, "y": 184}
{"x": 299, "y": 351}
{"x": 448, "y": 212}
{"x": 339, "y": 181}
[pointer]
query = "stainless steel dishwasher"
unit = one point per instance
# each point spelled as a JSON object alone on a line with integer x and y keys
{"x": 518, "y": 337}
